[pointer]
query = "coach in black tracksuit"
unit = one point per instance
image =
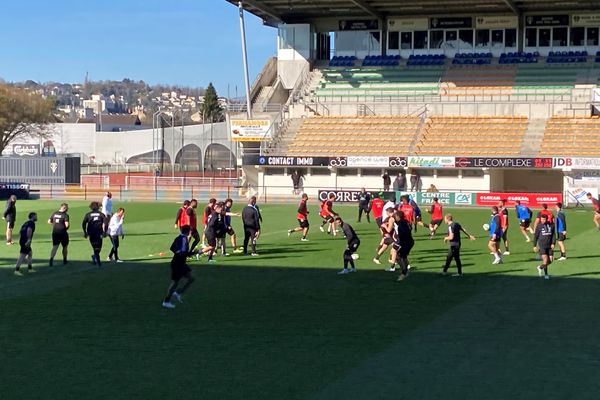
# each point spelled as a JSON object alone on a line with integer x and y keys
{"x": 454, "y": 231}
{"x": 364, "y": 204}
{"x": 251, "y": 219}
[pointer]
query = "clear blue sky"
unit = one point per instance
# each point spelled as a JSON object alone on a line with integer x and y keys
{"x": 184, "y": 42}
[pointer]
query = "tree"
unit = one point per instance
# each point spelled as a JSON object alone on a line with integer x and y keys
{"x": 211, "y": 110}
{"x": 23, "y": 114}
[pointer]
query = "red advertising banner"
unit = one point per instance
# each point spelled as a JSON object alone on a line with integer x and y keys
{"x": 528, "y": 199}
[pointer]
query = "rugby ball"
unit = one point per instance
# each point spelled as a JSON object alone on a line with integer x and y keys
{"x": 486, "y": 227}
{"x": 355, "y": 256}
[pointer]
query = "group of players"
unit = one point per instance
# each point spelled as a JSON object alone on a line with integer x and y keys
{"x": 96, "y": 225}
{"x": 396, "y": 222}
{"x": 216, "y": 223}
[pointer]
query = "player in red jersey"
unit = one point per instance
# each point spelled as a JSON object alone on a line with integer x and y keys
{"x": 407, "y": 210}
{"x": 302, "y": 217}
{"x": 377, "y": 208}
{"x": 437, "y": 217}
{"x": 181, "y": 219}
{"x": 503, "y": 212}
{"x": 596, "y": 205}
{"x": 328, "y": 215}
{"x": 547, "y": 213}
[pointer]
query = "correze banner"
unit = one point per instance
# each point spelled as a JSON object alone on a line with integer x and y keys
{"x": 528, "y": 199}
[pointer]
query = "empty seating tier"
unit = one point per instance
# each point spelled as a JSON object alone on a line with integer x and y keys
{"x": 481, "y": 136}
{"x": 571, "y": 136}
{"x": 343, "y": 136}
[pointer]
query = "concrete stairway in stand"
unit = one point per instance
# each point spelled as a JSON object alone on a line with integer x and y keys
{"x": 533, "y": 137}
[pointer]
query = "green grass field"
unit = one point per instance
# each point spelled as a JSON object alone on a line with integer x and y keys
{"x": 285, "y": 326}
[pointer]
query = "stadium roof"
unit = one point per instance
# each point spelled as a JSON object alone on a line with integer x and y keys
{"x": 290, "y": 11}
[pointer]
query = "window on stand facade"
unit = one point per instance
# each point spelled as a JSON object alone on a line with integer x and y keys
{"x": 482, "y": 38}
{"x": 559, "y": 37}
{"x": 393, "y": 40}
{"x": 577, "y": 37}
{"x": 510, "y": 38}
{"x": 406, "y": 40}
{"x": 421, "y": 40}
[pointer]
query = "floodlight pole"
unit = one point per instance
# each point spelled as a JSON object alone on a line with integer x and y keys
{"x": 245, "y": 58}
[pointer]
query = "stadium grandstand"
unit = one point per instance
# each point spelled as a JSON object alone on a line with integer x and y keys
{"x": 476, "y": 95}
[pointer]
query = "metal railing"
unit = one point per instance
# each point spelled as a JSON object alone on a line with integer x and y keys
{"x": 302, "y": 80}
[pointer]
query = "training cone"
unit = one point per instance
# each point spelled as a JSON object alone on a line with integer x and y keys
{"x": 162, "y": 254}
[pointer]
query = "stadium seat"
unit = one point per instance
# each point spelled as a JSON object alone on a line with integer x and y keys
{"x": 573, "y": 136}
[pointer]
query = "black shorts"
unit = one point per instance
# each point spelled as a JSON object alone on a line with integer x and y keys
{"x": 195, "y": 234}
{"x": 179, "y": 270}
{"x": 561, "y": 237}
{"x": 10, "y": 224}
{"x": 230, "y": 231}
{"x": 388, "y": 240}
{"x": 437, "y": 222}
{"x": 211, "y": 241}
{"x": 96, "y": 241}
{"x": 303, "y": 223}
{"x": 60, "y": 239}
{"x": 379, "y": 221}
{"x": 24, "y": 248}
{"x": 525, "y": 223}
{"x": 546, "y": 251}
{"x": 352, "y": 247}
{"x": 329, "y": 219}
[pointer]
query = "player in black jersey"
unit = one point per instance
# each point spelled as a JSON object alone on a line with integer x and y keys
{"x": 60, "y": 235}
{"x": 94, "y": 227}
{"x": 215, "y": 230}
{"x": 26, "y": 236}
{"x": 179, "y": 268}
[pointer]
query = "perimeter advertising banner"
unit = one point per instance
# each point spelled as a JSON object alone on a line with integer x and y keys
{"x": 576, "y": 163}
{"x": 349, "y": 196}
{"x": 446, "y": 198}
{"x": 250, "y": 130}
{"x": 499, "y": 162}
{"x": 319, "y": 161}
{"x": 528, "y": 199}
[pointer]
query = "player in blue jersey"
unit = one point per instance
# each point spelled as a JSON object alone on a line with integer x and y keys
{"x": 495, "y": 230}
{"x": 524, "y": 215}
{"x": 561, "y": 231}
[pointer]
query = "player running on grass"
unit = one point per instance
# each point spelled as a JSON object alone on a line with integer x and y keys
{"x": 387, "y": 233}
{"x": 377, "y": 209}
{"x": 453, "y": 238}
{"x": 179, "y": 268}
{"x": 215, "y": 230}
{"x": 302, "y": 217}
{"x": 205, "y": 214}
{"x": 60, "y": 235}
{"x": 544, "y": 244}
{"x": 437, "y": 217}
{"x": 26, "y": 236}
{"x": 10, "y": 216}
{"x": 596, "y": 205}
{"x": 351, "y": 248}
{"x": 495, "y": 230}
{"x": 524, "y": 215}
{"x": 547, "y": 213}
{"x": 561, "y": 231}
{"x": 328, "y": 215}
{"x": 407, "y": 210}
